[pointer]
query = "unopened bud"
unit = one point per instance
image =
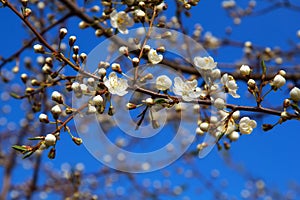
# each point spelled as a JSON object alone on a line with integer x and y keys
{"x": 102, "y": 72}
{"x": 72, "y": 40}
{"x": 149, "y": 101}
{"x": 77, "y": 140}
{"x": 83, "y": 25}
{"x": 62, "y": 33}
{"x": 130, "y": 106}
{"x": 116, "y": 67}
{"x": 251, "y": 84}
{"x": 111, "y": 110}
{"x": 124, "y": 50}
{"x": 98, "y": 100}
{"x": 286, "y": 103}
{"x": 57, "y": 97}
{"x": 135, "y": 61}
{"x": 51, "y": 154}
{"x": 56, "y": 111}
{"x": 24, "y": 78}
{"x": 83, "y": 57}
{"x": 38, "y": 48}
{"x": 50, "y": 139}
{"x": 27, "y": 12}
{"x": 35, "y": 82}
{"x": 267, "y": 127}
{"x": 204, "y": 126}
{"x": 43, "y": 118}
{"x": 76, "y": 49}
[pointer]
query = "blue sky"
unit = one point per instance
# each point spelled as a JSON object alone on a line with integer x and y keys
{"x": 271, "y": 156}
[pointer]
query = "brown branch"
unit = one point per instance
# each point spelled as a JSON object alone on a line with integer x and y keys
{"x": 30, "y": 42}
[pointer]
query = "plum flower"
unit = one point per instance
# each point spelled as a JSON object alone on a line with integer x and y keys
{"x": 230, "y": 85}
{"x": 205, "y": 63}
{"x": 116, "y": 85}
{"x": 121, "y": 20}
{"x": 246, "y": 125}
{"x": 153, "y": 57}
{"x": 163, "y": 82}
{"x": 188, "y": 90}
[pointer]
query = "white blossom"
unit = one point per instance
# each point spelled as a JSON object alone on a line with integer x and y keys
{"x": 295, "y": 94}
{"x": 50, "y": 139}
{"x": 163, "y": 82}
{"x": 121, "y": 20}
{"x": 116, "y": 85}
{"x": 205, "y": 63}
{"x": 278, "y": 81}
{"x": 153, "y": 57}
{"x": 230, "y": 85}
{"x": 246, "y": 125}
{"x": 187, "y": 90}
{"x": 245, "y": 70}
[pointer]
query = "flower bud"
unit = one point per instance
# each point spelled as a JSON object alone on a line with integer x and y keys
{"x": 204, "y": 126}
{"x": 62, "y": 33}
{"x": 76, "y": 49}
{"x": 124, "y": 50}
{"x": 116, "y": 67}
{"x": 295, "y": 94}
{"x": 149, "y": 101}
{"x": 219, "y": 103}
{"x": 43, "y": 118}
{"x": 38, "y": 48}
{"x": 278, "y": 81}
{"x": 282, "y": 72}
{"x": 98, "y": 32}
{"x": 50, "y": 140}
{"x": 91, "y": 109}
{"x": 95, "y": 8}
{"x": 251, "y": 84}
{"x": 111, "y": 110}
{"x": 130, "y": 106}
{"x": 83, "y": 25}
{"x": 286, "y": 103}
{"x": 233, "y": 136}
{"x": 245, "y": 70}
{"x": 267, "y": 127}
{"x": 51, "y": 154}
{"x": 72, "y": 40}
{"x": 27, "y": 12}
{"x": 77, "y": 140}
{"x": 83, "y": 57}
{"x": 46, "y": 69}
{"x": 56, "y": 111}
{"x": 102, "y": 72}
{"x": 24, "y": 77}
{"x": 135, "y": 61}
{"x": 57, "y": 97}
{"x": 97, "y": 100}
{"x": 199, "y": 131}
